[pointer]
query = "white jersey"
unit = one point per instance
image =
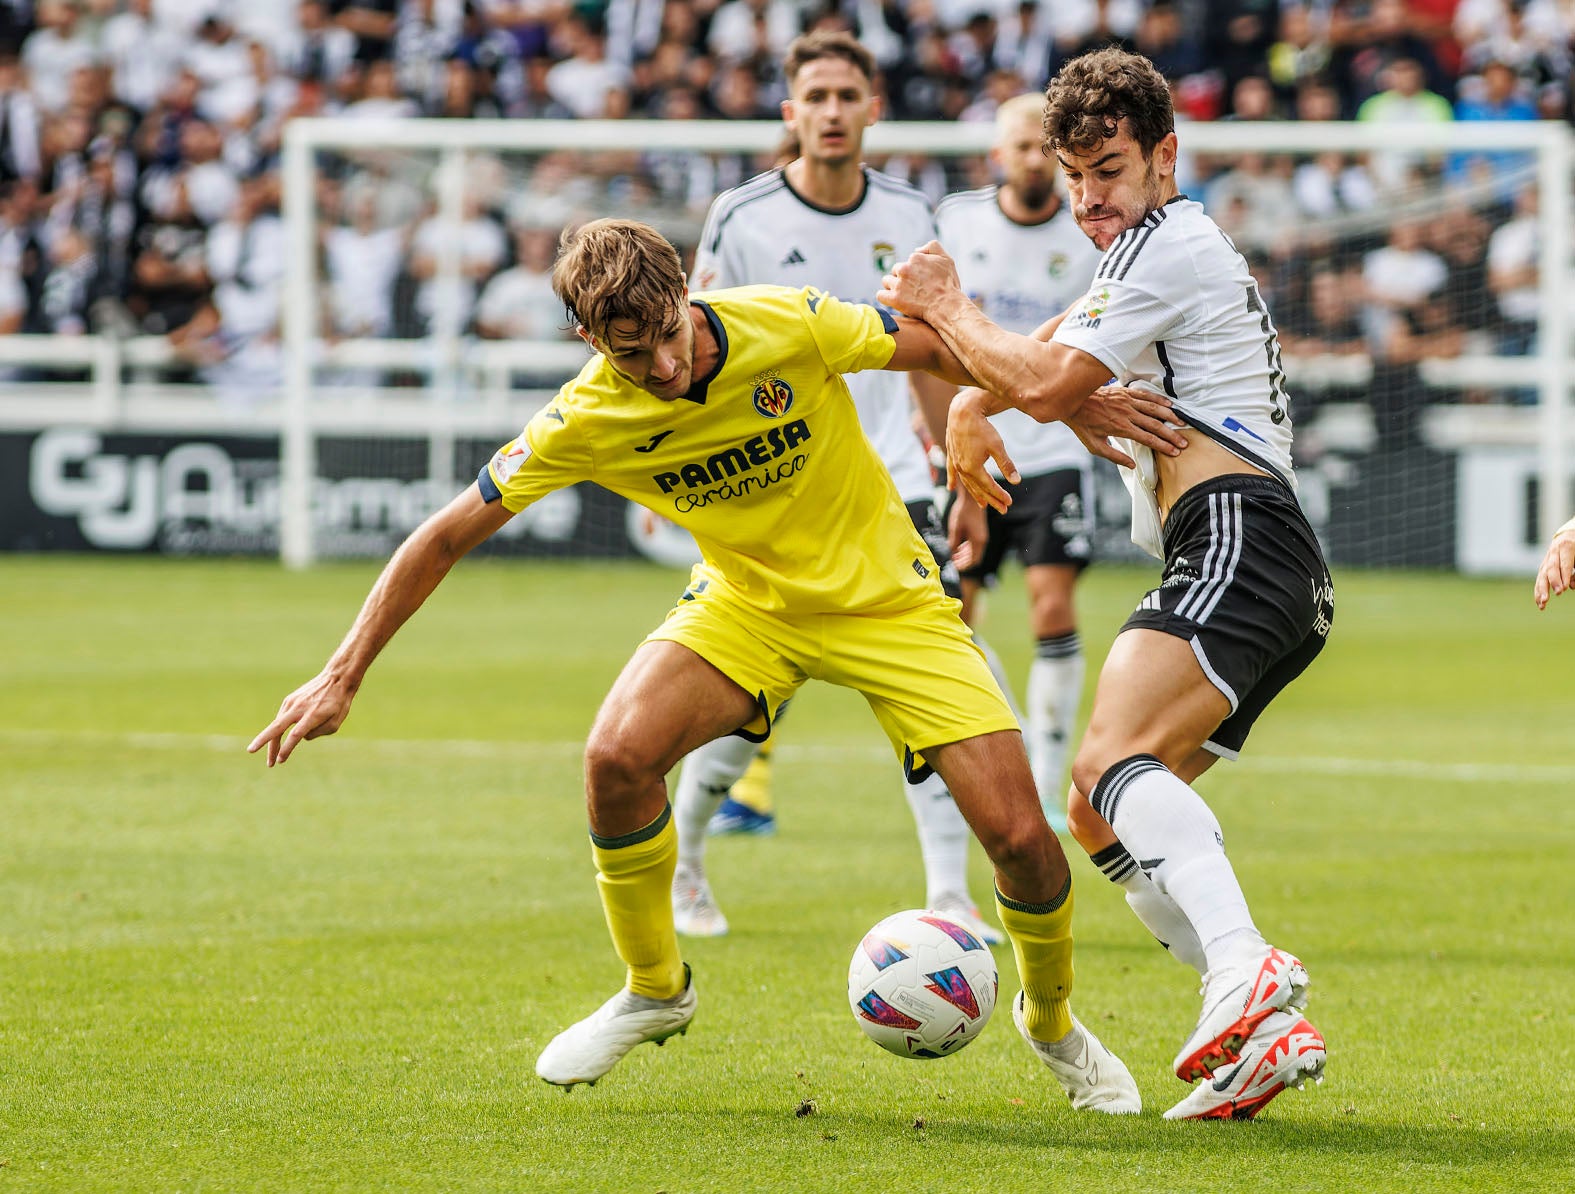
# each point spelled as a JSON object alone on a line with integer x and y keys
{"x": 765, "y": 232}
{"x": 1174, "y": 309}
{"x": 1021, "y": 275}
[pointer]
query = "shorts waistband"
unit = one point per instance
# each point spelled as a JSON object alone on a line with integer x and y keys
{"x": 1244, "y": 483}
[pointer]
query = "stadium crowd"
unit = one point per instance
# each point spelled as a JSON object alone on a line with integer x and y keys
{"x": 139, "y": 150}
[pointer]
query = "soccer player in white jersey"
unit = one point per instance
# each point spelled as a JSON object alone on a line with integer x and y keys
{"x": 1022, "y": 259}
{"x": 826, "y": 219}
{"x": 1245, "y": 603}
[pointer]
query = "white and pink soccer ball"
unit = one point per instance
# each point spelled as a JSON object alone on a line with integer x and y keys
{"x": 922, "y": 984}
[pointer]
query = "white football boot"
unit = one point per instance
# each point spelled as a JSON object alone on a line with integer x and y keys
{"x": 966, "y": 913}
{"x": 1235, "y": 1001}
{"x": 1094, "y": 1079}
{"x": 585, "y": 1051}
{"x": 1284, "y": 1050}
{"x": 695, "y": 912}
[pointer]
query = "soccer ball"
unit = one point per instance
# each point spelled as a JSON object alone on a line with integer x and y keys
{"x": 921, "y": 984}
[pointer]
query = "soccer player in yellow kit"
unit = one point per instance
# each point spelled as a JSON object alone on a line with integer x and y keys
{"x": 727, "y": 413}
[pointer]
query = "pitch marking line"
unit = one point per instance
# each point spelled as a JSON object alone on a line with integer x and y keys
{"x": 565, "y": 749}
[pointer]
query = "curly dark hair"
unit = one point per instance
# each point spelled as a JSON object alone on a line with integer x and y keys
{"x": 1090, "y": 96}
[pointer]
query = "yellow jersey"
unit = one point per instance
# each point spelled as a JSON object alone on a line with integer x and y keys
{"x": 763, "y": 461}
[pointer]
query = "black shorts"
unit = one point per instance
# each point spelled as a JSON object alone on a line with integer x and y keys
{"x": 927, "y": 521}
{"x": 1050, "y": 521}
{"x": 1246, "y": 584}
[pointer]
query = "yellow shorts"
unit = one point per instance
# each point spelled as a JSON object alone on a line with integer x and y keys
{"x": 918, "y": 668}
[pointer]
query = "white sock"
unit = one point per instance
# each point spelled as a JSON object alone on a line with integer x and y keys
{"x": 1176, "y": 840}
{"x": 998, "y": 670}
{"x": 1154, "y": 908}
{"x": 703, "y": 780}
{"x": 943, "y": 838}
{"x": 1055, "y": 687}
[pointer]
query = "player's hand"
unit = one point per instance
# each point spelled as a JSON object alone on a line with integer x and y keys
{"x": 921, "y": 285}
{"x": 1558, "y": 569}
{"x": 971, "y": 443}
{"x": 1142, "y": 416}
{"x": 967, "y": 532}
{"x": 317, "y": 708}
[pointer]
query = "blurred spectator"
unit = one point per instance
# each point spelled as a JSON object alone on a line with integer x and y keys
{"x": 1399, "y": 279}
{"x": 1387, "y": 37}
{"x": 1300, "y": 55}
{"x": 1332, "y": 184}
{"x": 20, "y": 156}
{"x": 1078, "y": 25}
{"x": 1237, "y": 36}
{"x": 380, "y": 98}
{"x": 52, "y": 51}
{"x": 227, "y": 87}
{"x": 363, "y": 259}
{"x": 1513, "y": 275}
{"x": 478, "y": 247}
{"x": 1496, "y": 94}
{"x": 519, "y": 303}
{"x": 199, "y": 183}
{"x": 1531, "y": 36}
{"x": 373, "y": 22}
{"x": 318, "y": 49}
{"x": 582, "y": 80}
{"x": 142, "y": 55}
{"x": 742, "y": 30}
{"x": 1328, "y": 322}
{"x": 67, "y": 290}
{"x": 1252, "y": 99}
{"x": 1404, "y": 101}
{"x": 1164, "y": 39}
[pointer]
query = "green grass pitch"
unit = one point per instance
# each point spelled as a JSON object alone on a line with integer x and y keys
{"x": 337, "y": 975}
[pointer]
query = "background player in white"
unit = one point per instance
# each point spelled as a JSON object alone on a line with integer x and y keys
{"x": 827, "y": 220}
{"x": 1245, "y": 603}
{"x": 1022, "y": 258}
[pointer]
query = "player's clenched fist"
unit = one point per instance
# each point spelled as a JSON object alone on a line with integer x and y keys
{"x": 916, "y": 285}
{"x": 1558, "y": 566}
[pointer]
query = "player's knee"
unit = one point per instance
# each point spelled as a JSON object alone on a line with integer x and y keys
{"x": 1019, "y": 846}
{"x": 614, "y": 767}
{"x": 1086, "y": 826}
{"x": 1087, "y": 766}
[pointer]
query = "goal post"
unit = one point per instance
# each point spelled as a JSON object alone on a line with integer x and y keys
{"x": 1378, "y": 502}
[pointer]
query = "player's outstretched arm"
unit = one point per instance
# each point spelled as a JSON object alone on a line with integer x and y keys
{"x": 321, "y": 705}
{"x": 1558, "y": 566}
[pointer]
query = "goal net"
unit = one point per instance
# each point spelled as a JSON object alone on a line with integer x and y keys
{"x": 1417, "y": 275}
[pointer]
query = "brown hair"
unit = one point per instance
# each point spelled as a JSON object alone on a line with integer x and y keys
{"x": 826, "y": 43}
{"x": 1090, "y": 96}
{"x": 610, "y": 270}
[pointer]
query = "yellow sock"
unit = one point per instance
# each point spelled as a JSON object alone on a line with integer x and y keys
{"x": 635, "y": 877}
{"x": 754, "y": 786}
{"x": 1042, "y": 941}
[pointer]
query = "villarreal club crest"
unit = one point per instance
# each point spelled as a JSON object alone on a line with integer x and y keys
{"x": 773, "y": 397}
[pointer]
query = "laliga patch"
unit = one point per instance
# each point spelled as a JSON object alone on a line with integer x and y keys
{"x": 1092, "y": 309}
{"x": 773, "y": 397}
{"x": 506, "y": 463}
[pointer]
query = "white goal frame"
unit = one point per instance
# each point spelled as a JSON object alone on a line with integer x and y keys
{"x": 301, "y": 420}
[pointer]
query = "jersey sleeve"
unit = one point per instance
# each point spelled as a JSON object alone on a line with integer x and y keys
{"x": 1116, "y": 320}
{"x": 851, "y": 337}
{"x": 718, "y": 263}
{"x": 550, "y": 453}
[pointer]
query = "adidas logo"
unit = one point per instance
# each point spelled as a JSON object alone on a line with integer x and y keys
{"x": 794, "y": 257}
